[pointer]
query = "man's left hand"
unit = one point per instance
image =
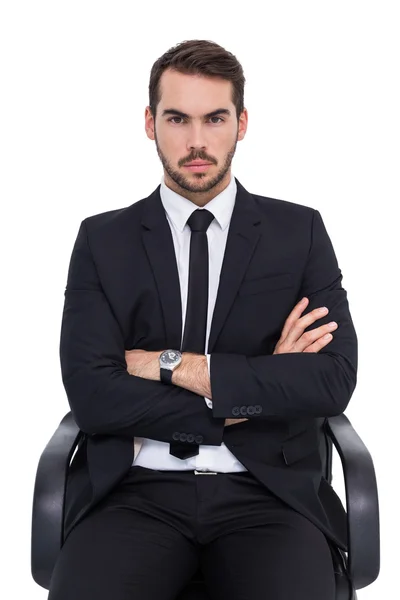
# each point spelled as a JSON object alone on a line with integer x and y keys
{"x": 143, "y": 363}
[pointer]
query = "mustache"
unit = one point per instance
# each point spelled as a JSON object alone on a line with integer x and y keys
{"x": 197, "y": 157}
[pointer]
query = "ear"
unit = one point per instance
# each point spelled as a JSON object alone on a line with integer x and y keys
{"x": 149, "y": 123}
{"x": 243, "y": 122}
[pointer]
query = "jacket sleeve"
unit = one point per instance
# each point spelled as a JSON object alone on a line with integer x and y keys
{"x": 104, "y": 398}
{"x": 296, "y": 384}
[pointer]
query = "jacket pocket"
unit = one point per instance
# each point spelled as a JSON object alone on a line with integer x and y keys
{"x": 266, "y": 284}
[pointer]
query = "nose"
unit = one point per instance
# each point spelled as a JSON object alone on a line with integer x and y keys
{"x": 196, "y": 138}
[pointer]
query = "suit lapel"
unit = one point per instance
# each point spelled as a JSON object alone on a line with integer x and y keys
{"x": 241, "y": 243}
{"x": 242, "y": 240}
{"x": 159, "y": 245}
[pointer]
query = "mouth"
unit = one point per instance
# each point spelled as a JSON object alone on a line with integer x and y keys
{"x": 197, "y": 166}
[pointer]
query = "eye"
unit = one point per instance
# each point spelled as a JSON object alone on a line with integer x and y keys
{"x": 172, "y": 120}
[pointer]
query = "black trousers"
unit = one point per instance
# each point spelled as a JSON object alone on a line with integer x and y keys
{"x": 146, "y": 540}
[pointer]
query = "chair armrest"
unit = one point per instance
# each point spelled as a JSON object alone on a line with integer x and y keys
{"x": 48, "y": 499}
{"x": 361, "y": 500}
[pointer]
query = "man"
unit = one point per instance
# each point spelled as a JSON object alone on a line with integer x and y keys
{"x": 205, "y": 335}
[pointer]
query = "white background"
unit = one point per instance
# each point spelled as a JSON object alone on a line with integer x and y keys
{"x": 323, "y": 101}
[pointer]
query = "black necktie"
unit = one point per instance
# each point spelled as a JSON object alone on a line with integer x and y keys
{"x": 194, "y": 337}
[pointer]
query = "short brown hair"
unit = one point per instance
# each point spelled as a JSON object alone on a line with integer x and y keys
{"x": 203, "y": 57}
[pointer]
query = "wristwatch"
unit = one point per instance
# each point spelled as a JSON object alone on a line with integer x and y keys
{"x": 169, "y": 360}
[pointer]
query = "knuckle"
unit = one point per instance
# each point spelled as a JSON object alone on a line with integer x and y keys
{"x": 297, "y": 330}
{"x": 308, "y": 336}
{"x": 305, "y": 321}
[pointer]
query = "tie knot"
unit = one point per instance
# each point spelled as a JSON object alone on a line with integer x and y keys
{"x": 200, "y": 219}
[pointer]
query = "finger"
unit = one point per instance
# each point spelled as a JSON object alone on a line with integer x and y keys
{"x": 294, "y": 316}
{"x": 309, "y": 337}
{"x": 302, "y": 323}
{"x": 319, "y": 344}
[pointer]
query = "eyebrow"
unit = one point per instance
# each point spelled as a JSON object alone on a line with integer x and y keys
{"x": 178, "y": 113}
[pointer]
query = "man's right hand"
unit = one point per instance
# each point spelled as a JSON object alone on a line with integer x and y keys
{"x": 293, "y": 338}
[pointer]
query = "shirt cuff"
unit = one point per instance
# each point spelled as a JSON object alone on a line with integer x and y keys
{"x": 208, "y": 401}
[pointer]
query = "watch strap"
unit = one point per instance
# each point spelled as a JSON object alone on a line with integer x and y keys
{"x": 166, "y": 375}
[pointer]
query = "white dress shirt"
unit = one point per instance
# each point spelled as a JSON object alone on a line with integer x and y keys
{"x": 154, "y": 454}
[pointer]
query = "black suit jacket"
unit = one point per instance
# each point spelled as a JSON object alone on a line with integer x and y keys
{"x": 123, "y": 292}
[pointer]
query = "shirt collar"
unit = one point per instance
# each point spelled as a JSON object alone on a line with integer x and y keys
{"x": 179, "y": 208}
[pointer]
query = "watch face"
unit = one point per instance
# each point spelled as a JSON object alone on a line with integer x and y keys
{"x": 170, "y": 357}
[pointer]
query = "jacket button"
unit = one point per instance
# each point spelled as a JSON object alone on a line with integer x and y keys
{"x": 258, "y": 409}
{"x": 198, "y": 439}
{"x": 243, "y": 410}
{"x": 175, "y": 435}
{"x": 251, "y": 410}
{"x": 190, "y": 437}
{"x": 183, "y": 437}
{"x": 236, "y": 411}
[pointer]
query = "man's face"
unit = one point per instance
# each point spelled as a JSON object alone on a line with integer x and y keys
{"x": 199, "y": 135}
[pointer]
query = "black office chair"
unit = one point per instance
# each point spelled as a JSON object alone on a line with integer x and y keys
{"x": 353, "y": 570}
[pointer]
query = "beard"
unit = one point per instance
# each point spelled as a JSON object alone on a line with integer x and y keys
{"x": 201, "y": 182}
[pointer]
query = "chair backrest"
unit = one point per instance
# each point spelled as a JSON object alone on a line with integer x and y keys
{"x": 49, "y": 499}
